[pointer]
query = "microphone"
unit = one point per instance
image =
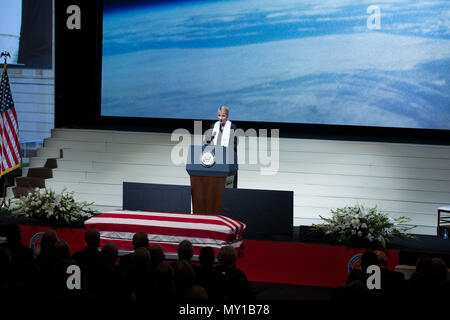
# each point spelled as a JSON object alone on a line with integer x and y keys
{"x": 212, "y": 138}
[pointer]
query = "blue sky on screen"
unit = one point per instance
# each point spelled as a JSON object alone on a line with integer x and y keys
{"x": 280, "y": 61}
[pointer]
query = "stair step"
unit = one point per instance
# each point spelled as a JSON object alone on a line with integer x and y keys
{"x": 21, "y": 191}
{"x": 30, "y": 182}
{"x": 44, "y": 173}
{"x": 51, "y": 163}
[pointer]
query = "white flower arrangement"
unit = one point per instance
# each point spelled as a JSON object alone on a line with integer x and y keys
{"x": 363, "y": 227}
{"x": 48, "y": 206}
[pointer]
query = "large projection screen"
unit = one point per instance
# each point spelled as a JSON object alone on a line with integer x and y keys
{"x": 338, "y": 62}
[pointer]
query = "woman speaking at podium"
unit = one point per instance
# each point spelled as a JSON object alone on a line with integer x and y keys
{"x": 223, "y": 133}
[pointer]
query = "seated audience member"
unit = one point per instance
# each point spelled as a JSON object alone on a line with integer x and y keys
{"x": 439, "y": 270}
{"x": 429, "y": 280}
{"x": 163, "y": 282}
{"x": 141, "y": 276}
{"x": 5, "y": 271}
{"x": 19, "y": 253}
{"x": 113, "y": 286}
{"x": 424, "y": 266}
{"x": 48, "y": 247}
{"x": 23, "y": 276}
{"x": 184, "y": 283}
{"x": 208, "y": 277}
{"x": 236, "y": 286}
{"x": 419, "y": 284}
{"x": 392, "y": 282}
{"x": 46, "y": 259}
{"x": 62, "y": 252}
{"x": 368, "y": 258}
{"x": 156, "y": 255}
{"x": 353, "y": 291}
{"x": 25, "y": 283}
{"x": 88, "y": 260}
{"x": 438, "y": 277}
{"x": 186, "y": 252}
{"x": 356, "y": 287}
{"x": 140, "y": 240}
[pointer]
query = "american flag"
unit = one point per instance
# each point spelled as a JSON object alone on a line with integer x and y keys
{"x": 11, "y": 157}
{"x": 168, "y": 230}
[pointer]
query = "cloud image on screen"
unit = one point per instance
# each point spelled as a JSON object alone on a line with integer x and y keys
{"x": 294, "y": 61}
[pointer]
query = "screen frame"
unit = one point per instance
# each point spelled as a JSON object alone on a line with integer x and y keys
{"x": 88, "y": 113}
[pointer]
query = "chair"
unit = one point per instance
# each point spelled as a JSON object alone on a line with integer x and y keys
{"x": 443, "y": 219}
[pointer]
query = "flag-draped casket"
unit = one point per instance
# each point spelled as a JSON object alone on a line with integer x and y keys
{"x": 168, "y": 230}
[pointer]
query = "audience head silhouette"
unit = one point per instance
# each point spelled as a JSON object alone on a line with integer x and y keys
{"x": 439, "y": 270}
{"x": 109, "y": 254}
{"x": 92, "y": 238}
{"x": 164, "y": 275}
{"x": 13, "y": 234}
{"x": 48, "y": 241}
{"x": 156, "y": 254}
{"x": 424, "y": 266}
{"x": 62, "y": 250}
{"x": 207, "y": 257}
{"x": 381, "y": 258}
{"x": 5, "y": 258}
{"x": 141, "y": 260}
{"x": 184, "y": 275}
{"x": 185, "y": 250}
{"x": 140, "y": 240}
{"x": 227, "y": 256}
{"x": 368, "y": 258}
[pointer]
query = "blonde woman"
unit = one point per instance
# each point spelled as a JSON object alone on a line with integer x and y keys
{"x": 223, "y": 129}
{"x": 223, "y": 133}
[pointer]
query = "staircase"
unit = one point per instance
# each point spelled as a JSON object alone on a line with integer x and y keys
{"x": 35, "y": 178}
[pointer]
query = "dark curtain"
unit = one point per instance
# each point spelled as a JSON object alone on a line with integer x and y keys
{"x": 35, "y": 49}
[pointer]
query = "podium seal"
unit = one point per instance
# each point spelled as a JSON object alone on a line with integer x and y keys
{"x": 207, "y": 159}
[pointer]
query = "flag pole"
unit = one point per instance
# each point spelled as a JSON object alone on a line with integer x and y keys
{"x": 4, "y": 54}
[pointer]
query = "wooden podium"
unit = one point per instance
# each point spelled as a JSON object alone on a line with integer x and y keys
{"x": 208, "y": 181}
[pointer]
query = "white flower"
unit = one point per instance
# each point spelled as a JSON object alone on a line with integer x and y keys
{"x": 355, "y": 223}
{"x": 363, "y": 226}
{"x": 360, "y": 233}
